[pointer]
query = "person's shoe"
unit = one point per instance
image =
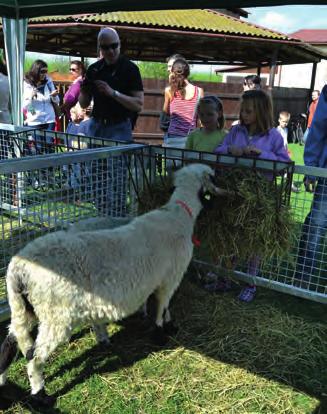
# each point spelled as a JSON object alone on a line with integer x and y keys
{"x": 220, "y": 285}
{"x": 247, "y": 294}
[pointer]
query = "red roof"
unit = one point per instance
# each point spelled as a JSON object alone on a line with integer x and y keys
{"x": 311, "y": 35}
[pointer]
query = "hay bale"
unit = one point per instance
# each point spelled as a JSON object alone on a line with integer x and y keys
{"x": 251, "y": 220}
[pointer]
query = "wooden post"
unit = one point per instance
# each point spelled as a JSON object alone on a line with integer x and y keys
{"x": 273, "y": 64}
{"x": 259, "y": 70}
{"x": 313, "y": 77}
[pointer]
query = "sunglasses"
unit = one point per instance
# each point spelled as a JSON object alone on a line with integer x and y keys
{"x": 112, "y": 46}
{"x": 73, "y": 70}
{"x": 44, "y": 71}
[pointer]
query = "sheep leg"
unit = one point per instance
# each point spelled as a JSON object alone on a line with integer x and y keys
{"x": 167, "y": 316}
{"x": 101, "y": 334}
{"x": 48, "y": 339}
{"x": 8, "y": 353}
{"x": 162, "y": 316}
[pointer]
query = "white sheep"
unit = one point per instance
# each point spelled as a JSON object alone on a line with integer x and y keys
{"x": 65, "y": 278}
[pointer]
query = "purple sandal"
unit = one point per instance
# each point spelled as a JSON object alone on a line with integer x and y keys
{"x": 247, "y": 294}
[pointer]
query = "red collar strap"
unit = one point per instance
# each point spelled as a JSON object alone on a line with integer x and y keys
{"x": 185, "y": 207}
{"x": 188, "y": 209}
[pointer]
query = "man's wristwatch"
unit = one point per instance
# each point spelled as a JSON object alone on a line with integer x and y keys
{"x": 115, "y": 94}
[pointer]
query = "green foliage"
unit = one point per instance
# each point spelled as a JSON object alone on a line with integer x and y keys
{"x": 153, "y": 70}
{"x": 205, "y": 77}
{"x": 55, "y": 64}
{"x": 157, "y": 70}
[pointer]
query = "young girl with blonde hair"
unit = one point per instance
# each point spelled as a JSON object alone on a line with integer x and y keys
{"x": 253, "y": 137}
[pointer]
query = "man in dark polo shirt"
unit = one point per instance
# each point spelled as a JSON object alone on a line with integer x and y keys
{"x": 115, "y": 84}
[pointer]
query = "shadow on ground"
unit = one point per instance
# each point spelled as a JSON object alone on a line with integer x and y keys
{"x": 133, "y": 342}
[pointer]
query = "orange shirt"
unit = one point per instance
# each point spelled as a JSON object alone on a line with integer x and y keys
{"x": 312, "y": 109}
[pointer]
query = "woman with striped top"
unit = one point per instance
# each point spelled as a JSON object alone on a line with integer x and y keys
{"x": 181, "y": 99}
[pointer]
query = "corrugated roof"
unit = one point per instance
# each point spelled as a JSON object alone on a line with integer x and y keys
{"x": 195, "y": 20}
{"x": 311, "y": 35}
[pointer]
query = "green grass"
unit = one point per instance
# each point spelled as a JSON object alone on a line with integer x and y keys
{"x": 296, "y": 153}
{"x": 267, "y": 357}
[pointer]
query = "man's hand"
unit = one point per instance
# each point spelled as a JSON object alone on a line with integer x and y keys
{"x": 103, "y": 88}
{"x": 309, "y": 184}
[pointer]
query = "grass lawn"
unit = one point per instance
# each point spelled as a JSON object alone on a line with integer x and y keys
{"x": 265, "y": 357}
{"x": 296, "y": 153}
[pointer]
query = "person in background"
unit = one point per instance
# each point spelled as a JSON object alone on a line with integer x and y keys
{"x": 5, "y": 116}
{"x": 283, "y": 120}
{"x": 39, "y": 94}
{"x": 164, "y": 116}
{"x": 115, "y": 85}
{"x": 84, "y": 125}
{"x": 282, "y": 128}
{"x": 211, "y": 134}
{"x": 77, "y": 71}
{"x": 251, "y": 82}
{"x": 311, "y": 111}
{"x": 253, "y": 137}
{"x": 315, "y": 225}
{"x": 76, "y": 117}
{"x": 181, "y": 99}
{"x": 171, "y": 60}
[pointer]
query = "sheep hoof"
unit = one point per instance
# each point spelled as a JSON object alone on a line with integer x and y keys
{"x": 159, "y": 336}
{"x": 170, "y": 329}
{"x": 43, "y": 399}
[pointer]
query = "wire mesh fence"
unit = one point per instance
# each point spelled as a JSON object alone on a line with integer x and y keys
{"x": 52, "y": 190}
{"x": 18, "y": 142}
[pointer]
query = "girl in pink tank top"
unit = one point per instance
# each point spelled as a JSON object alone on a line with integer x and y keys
{"x": 181, "y": 99}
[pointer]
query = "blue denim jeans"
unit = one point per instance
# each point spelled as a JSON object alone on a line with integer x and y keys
{"x": 313, "y": 233}
{"x": 110, "y": 176}
{"x": 119, "y": 132}
{"x": 305, "y": 136}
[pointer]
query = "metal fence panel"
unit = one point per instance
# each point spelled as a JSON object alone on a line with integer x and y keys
{"x": 63, "y": 187}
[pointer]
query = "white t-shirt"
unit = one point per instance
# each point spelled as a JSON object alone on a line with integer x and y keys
{"x": 284, "y": 133}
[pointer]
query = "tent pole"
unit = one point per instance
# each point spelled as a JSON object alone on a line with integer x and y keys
{"x": 15, "y": 31}
{"x": 313, "y": 77}
{"x": 273, "y": 65}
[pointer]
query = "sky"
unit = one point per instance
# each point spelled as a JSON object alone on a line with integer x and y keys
{"x": 288, "y": 19}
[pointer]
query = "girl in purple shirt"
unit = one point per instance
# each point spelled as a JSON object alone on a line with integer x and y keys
{"x": 253, "y": 137}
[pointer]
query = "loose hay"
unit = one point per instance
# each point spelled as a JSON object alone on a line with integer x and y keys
{"x": 251, "y": 220}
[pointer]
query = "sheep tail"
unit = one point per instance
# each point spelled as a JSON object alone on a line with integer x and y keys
{"x": 23, "y": 318}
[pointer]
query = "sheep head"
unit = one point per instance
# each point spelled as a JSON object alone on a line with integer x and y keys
{"x": 200, "y": 175}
